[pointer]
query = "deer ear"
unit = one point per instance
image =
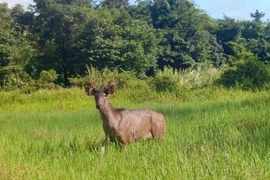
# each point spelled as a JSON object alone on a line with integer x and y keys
{"x": 110, "y": 89}
{"x": 89, "y": 91}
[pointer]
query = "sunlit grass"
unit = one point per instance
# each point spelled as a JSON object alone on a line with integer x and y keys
{"x": 223, "y": 134}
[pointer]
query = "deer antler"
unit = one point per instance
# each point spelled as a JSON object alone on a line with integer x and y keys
{"x": 91, "y": 82}
{"x": 110, "y": 83}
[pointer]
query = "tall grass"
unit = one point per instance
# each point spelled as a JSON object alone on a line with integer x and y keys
{"x": 211, "y": 134}
{"x": 192, "y": 77}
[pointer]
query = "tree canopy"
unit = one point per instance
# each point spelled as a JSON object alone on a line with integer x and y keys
{"x": 66, "y": 35}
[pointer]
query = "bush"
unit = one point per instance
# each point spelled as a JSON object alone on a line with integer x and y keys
{"x": 123, "y": 79}
{"x": 22, "y": 81}
{"x": 172, "y": 80}
{"x": 19, "y": 80}
{"x": 46, "y": 79}
{"x": 164, "y": 83}
{"x": 126, "y": 79}
{"x": 249, "y": 75}
{"x": 78, "y": 81}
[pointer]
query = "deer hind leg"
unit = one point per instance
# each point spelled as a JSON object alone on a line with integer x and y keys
{"x": 158, "y": 131}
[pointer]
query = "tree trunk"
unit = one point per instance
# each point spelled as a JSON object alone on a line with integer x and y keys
{"x": 65, "y": 63}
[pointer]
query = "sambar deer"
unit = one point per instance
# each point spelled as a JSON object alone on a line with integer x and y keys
{"x": 122, "y": 125}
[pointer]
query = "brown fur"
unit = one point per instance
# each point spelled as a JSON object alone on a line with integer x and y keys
{"x": 126, "y": 126}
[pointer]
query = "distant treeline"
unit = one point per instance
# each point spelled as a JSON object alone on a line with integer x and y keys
{"x": 66, "y": 35}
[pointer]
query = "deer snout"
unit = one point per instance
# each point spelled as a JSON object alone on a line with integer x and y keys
{"x": 100, "y": 101}
{"x": 99, "y": 105}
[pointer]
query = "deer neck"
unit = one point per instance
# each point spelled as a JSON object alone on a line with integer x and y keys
{"x": 108, "y": 114}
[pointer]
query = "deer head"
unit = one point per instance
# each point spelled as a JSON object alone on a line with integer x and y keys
{"x": 99, "y": 94}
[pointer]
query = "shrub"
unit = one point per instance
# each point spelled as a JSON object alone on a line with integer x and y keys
{"x": 123, "y": 79}
{"x": 164, "y": 83}
{"x": 172, "y": 80}
{"x": 78, "y": 81}
{"x": 22, "y": 81}
{"x": 19, "y": 81}
{"x": 46, "y": 79}
{"x": 126, "y": 79}
{"x": 250, "y": 74}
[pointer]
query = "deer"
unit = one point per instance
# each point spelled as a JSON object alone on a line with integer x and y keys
{"x": 125, "y": 126}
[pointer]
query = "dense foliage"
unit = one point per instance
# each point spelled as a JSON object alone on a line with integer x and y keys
{"x": 250, "y": 74}
{"x": 60, "y": 37}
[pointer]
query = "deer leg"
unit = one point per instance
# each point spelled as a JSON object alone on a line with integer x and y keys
{"x": 157, "y": 132}
{"x": 104, "y": 144}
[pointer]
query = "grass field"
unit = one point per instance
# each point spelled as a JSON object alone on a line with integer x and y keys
{"x": 217, "y": 134}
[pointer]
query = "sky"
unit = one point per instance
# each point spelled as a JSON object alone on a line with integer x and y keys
{"x": 237, "y": 9}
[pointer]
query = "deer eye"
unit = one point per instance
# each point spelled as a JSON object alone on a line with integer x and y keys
{"x": 92, "y": 91}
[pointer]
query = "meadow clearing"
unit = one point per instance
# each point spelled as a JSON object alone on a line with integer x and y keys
{"x": 212, "y": 133}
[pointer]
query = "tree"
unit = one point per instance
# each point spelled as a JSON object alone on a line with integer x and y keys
{"x": 257, "y": 16}
{"x": 15, "y": 49}
{"x": 117, "y": 41}
{"x": 185, "y": 34}
{"x": 240, "y": 52}
{"x": 141, "y": 11}
{"x": 252, "y": 29}
{"x": 254, "y": 34}
{"x": 118, "y": 4}
{"x": 57, "y": 27}
{"x": 227, "y": 30}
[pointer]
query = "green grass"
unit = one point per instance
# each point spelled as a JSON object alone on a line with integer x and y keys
{"x": 218, "y": 134}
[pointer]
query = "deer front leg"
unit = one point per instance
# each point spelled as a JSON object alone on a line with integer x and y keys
{"x": 104, "y": 144}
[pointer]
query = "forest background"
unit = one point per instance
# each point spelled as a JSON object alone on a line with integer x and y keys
{"x": 49, "y": 44}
